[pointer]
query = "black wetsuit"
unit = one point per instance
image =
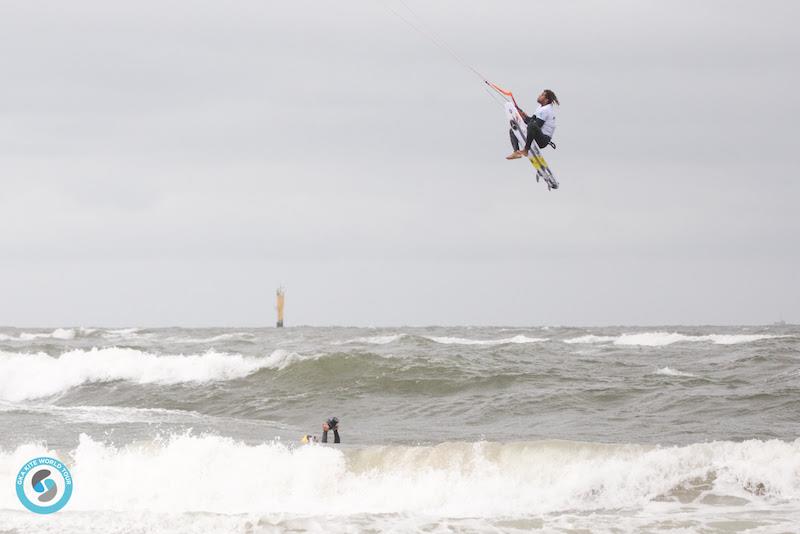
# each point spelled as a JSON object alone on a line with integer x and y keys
{"x": 335, "y": 436}
{"x": 534, "y": 133}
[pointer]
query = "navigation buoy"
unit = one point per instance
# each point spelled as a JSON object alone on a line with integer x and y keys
{"x": 280, "y": 296}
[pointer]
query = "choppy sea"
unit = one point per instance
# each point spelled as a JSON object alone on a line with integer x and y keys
{"x": 462, "y": 429}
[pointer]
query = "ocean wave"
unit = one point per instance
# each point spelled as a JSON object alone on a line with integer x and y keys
{"x": 735, "y": 339}
{"x": 123, "y": 331}
{"x": 590, "y": 339}
{"x": 659, "y": 339}
{"x": 127, "y": 334}
{"x": 116, "y": 415}
{"x": 373, "y": 340}
{"x": 240, "y": 336}
{"x": 448, "y": 480}
{"x": 668, "y": 371}
{"x": 58, "y": 333}
{"x": 68, "y": 334}
{"x": 106, "y": 415}
{"x": 30, "y": 376}
{"x": 281, "y": 359}
{"x": 465, "y": 341}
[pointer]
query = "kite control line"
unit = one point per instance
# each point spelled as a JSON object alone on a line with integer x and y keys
{"x": 421, "y": 28}
{"x": 507, "y": 100}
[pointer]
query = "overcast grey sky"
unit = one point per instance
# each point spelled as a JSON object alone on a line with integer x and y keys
{"x": 172, "y": 163}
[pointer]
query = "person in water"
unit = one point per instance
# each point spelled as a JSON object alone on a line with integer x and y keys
{"x": 331, "y": 424}
{"x": 327, "y": 426}
{"x": 541, "y": 125}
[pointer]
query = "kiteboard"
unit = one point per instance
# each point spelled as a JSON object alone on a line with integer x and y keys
{"x": 520, "y": 129}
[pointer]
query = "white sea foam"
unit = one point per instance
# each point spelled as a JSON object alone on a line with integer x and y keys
{"x": 456, "y": 480}
{"x": 281, "y": 359}
{"x": 590, "y": 339}
{"x": 58, "y": 333}
{"x": 465, "y": 341}
{"x": 373, "y": 340}
{"x": 668, "y": 371}
{"x": 29, "y": 376}
{"x": 127, "y": 335}
{"x": 66, "y": 334}
{"x": 116, "y": 415}
{"x": 106, "y": 415}
{"x": 214, "y": 339}
{"x": 651, "y": 339}
{"x": 123, "y": 331}
{"x": 735, "y": 339}
{"x": 659, "y": 339}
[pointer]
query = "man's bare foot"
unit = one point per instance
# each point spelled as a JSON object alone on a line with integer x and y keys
{"x": 514, "y": 155}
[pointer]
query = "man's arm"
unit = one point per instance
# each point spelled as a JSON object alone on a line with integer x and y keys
{"x": 336, "y": 435}
{"x": 536, "y": 120}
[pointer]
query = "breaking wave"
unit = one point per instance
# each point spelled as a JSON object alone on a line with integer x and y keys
{"x": 68, "y": 334}
{"x": 233, "y": 336}
{"x": 106, "y": 415}
{"x": 657, "y": 339}
{"x": 465, "y": 341}
{"x": 58, "y": 333}
{"x": 660, "y": 339}
{"x": 483, "y": 479}
{"x": 668, "y": 371}
{"x": 30, "y": 376}
{"x": 373, "y": 340}
{"x": 590, "y": 339}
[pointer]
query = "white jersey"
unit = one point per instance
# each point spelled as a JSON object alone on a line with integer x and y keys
{"x": 548, "y": 115}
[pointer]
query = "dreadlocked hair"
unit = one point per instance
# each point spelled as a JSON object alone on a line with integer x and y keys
{"x": 551, "y": 96}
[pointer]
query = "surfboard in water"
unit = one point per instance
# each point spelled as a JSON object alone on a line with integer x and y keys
{"x": 519, "y": 128}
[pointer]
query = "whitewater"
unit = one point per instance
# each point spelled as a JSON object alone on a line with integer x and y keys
{"x": 444, "y": 429}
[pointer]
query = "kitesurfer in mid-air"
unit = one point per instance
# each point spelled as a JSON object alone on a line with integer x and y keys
{"x": 541, "y": 125}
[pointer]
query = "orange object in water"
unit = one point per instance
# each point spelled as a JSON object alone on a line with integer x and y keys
{"x": 280, "y": 297}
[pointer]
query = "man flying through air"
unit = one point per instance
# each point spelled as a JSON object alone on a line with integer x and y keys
{"x": 541, "y": 125}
